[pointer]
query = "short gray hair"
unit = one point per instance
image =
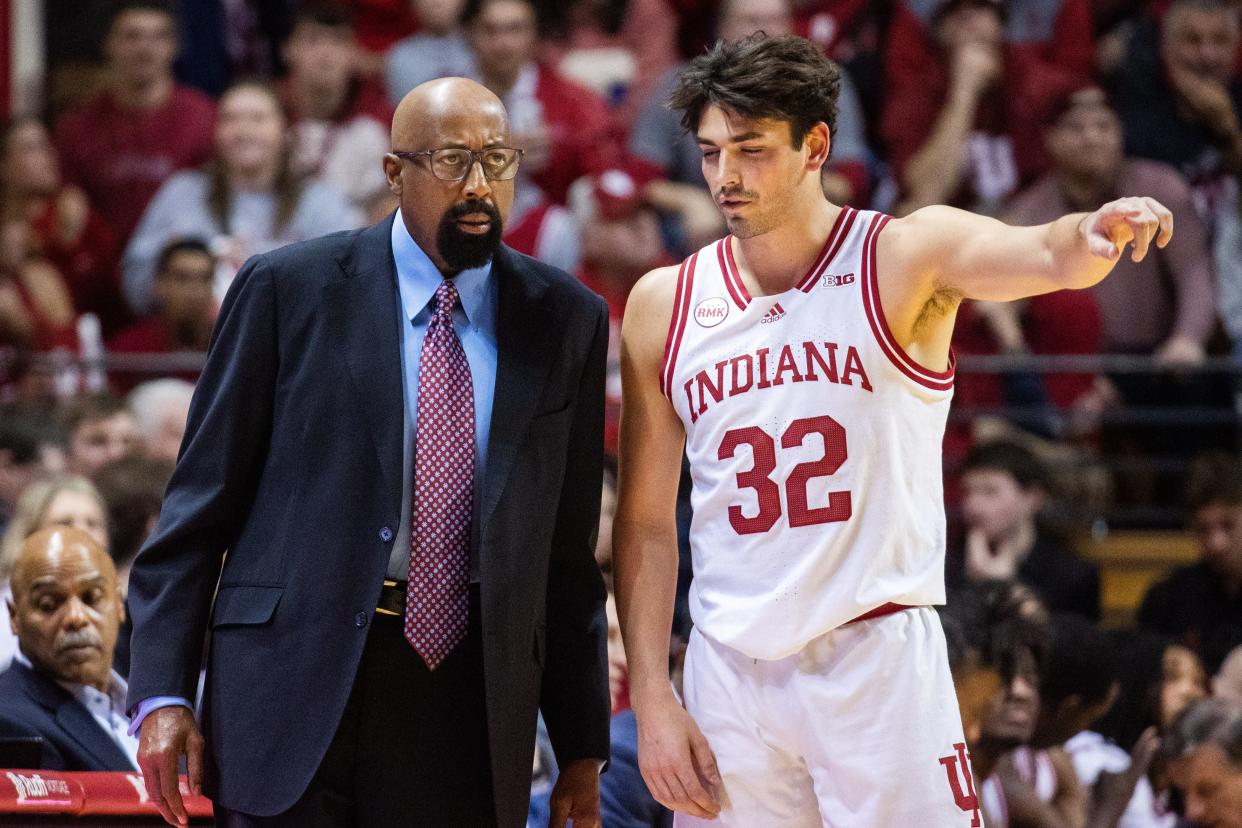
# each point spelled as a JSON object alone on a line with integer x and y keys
{"x": 1206, "y": 722}
{"x": 148, "y": 402}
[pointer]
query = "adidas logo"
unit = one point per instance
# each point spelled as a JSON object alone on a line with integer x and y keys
{"x": 774, "y": 313}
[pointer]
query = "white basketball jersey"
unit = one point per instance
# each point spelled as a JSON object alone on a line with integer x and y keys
{"x": 814, "y": 444}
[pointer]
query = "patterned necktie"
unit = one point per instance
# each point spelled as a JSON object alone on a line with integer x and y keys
{"x": 437, "y": 596}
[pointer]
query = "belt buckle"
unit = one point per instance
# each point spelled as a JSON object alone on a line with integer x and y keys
{"x": 383, "y": 611}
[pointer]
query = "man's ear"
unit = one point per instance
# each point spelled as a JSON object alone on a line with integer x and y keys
{"x": 818, "y": 142}
{"x": 392, "y": 173}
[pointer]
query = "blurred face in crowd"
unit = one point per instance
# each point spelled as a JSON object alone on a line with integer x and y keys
{"x": 250, "y": 131}
{"x": 741, "y": 18}
{"x": 1183, "y": 682}
{"x": 77, "y": 510}
{"x": 1011, "y": 719}
{"x": 503, "y": 36}
{"x": 30, "y": 165}
{"x": 630, "y": 244}
{"x": 1211, "y": 786}
{"x": 169, "y": 431}
{"x": 66, "y": 607}
{"x": 319, "y": 56}
{"x": 994, "y": 503}
{"x": 141, "y": 47}
{"x": 95, "y": 442}
{"x": 1218, "y": 527}
{"x": 458, "y": 224}
{"x": 978, "y": 691}
{"x": 1086, "y": 142}
{"x": 1071, "y": 717}
{"x": 972, "y": 24}
{"x": 757, "y": 178}
{"x": 440, "y": 17}
{"x": 1201, "y": 42}
{"x": 183, "y": 289}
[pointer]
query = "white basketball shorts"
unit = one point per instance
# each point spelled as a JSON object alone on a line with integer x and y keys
{"x": 860, "y": 729}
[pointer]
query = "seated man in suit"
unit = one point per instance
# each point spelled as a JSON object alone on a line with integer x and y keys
{"x": 65, "y": 610}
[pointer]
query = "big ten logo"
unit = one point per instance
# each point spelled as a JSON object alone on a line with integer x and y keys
{"x": 835, "y": 280}
{"x": 957, "y": 768}
{"x": 711, "y": 311}
{"x": 36, "y": 787}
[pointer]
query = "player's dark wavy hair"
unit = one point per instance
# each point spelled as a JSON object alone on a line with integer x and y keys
{"x": 782, "y": 78}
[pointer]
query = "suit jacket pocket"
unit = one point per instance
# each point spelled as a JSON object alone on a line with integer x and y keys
{"x": 245, "y": 605}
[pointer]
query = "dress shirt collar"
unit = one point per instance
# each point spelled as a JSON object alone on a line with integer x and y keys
{"x": 418, "y": 277}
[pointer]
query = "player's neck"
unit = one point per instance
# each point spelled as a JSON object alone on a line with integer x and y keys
{"x": 775, "y": 261}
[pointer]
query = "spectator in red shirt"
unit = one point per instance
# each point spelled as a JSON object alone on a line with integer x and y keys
{"x": 121, "y": 145}
{"x": 71, "y": 235}
{"x": 966, "y": 130}
{"x": 339, "y": 121}
{"x": 563, "y": 127}
{"x": 184, "y": 310}
{"x": 618, "y": 49}
{"x": 36, "y": 311}
{"x": 1051, "y": 33}
{"x": 621, "y": 241}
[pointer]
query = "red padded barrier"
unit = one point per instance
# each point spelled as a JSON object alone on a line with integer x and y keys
{"x": 85, "y": 794}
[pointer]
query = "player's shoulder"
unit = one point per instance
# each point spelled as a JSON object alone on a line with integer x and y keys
{"x": 657, "y": 288}
{"x": 927, "y": 231}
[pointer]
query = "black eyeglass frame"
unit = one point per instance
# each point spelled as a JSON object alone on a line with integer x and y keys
{"x": 476, "y": 157}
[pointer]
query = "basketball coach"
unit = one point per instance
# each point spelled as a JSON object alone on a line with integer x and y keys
{"x": 392, "y": 470}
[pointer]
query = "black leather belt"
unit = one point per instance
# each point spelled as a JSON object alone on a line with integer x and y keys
{"x": 392, "y": 598}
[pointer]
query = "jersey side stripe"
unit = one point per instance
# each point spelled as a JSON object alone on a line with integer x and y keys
{"x": 935, "y": 380}
{"x": 839, "y": 233}
{"x": 677, "y": 324}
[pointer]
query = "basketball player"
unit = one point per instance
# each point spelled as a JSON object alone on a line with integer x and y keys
{"x": 803, "y": 362}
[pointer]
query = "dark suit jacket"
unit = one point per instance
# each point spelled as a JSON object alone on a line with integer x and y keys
{"x": 32, "y": 704}
{"x": 292, "y": 463}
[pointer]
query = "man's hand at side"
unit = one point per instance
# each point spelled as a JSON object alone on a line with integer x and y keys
{"x": 676, "y": 761}
{"x": 576, "y": 795}
{"x": 167, "y": 734}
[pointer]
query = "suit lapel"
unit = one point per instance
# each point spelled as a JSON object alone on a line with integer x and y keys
{"x": 362, "y": 308}
{"x": 81, "y": 726}
{"x": 74, "y": 719}
{"x": 526, "y": 342}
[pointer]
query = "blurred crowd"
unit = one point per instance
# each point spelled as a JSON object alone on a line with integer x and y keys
{"x": 184, "y": 138}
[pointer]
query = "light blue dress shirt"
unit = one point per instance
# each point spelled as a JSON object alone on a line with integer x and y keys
{"x": 474, "y": 320}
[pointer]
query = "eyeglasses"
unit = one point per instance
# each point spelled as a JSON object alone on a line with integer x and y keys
{"x": 453, "y": 164}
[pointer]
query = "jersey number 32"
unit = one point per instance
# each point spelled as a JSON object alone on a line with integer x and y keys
{"x": 759, "y": 477}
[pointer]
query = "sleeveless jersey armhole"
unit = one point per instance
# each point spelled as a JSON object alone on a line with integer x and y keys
{"x": 677, "y": 324}
{"x": 924, "y": 376}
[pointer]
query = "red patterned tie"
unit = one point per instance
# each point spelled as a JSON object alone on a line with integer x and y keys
{"x": 437, "y": 597}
